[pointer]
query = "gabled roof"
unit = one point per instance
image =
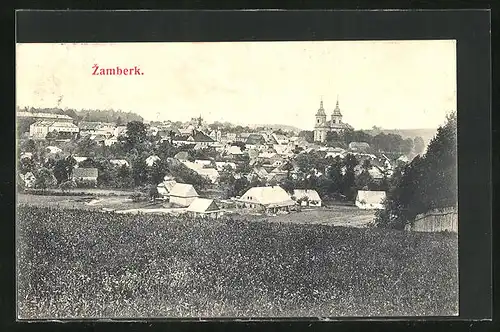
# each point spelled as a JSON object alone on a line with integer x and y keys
{"x": 311, "y": 194}
{"x": 255, "y": 139}
{"x": 85, "y": 173}
{"x": 166, "y": 186}
{"x": 183, "y": 190}
{"x": 234, "y": 150}
{"x": 202, "y": 205}
{"x": 83, "y": 125}
{"x": 119, "y": 162}
{"x": 201, "y": 137}
{"x": 268, "y": 196}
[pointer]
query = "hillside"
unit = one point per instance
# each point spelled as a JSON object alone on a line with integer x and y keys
{"x": 426, "y": 133}
{"x": 276, "y": 127}
{"x": 106, "y": 115}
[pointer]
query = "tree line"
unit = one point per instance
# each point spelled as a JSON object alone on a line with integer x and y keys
{"x": 429, "y": 182}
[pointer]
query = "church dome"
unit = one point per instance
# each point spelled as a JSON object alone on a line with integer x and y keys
{"x": 336, "y": 111}
{"x": 321, "y": 110}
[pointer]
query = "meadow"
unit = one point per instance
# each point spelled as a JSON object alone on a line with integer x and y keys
{"x": 75, "y": 263}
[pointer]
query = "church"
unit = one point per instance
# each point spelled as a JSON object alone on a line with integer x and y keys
{"x": 322, "y": 126}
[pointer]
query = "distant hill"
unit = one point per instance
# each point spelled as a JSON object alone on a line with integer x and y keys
{"x": 111, "y": 116}
{"x": 276, "y": 127}
{"x": 427, "y": 133}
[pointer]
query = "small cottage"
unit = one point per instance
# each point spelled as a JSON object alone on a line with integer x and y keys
{"x": 368, "y": 200}
{"x": 266, "y": 199}
{"x": 182, "y": 194}
{"x": 203, "y": 207}
{"x": 307, "y": 197}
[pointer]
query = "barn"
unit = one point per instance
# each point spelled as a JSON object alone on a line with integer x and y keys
{"x": 203, "y": 207}
{"x": 182, "y": 194}
{"x": 267, "y": 199}
{"x": 369, "y": 200}
{"x": 308, "y": 197}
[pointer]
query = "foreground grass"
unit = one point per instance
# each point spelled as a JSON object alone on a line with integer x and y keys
{"x": 77, "y": 263}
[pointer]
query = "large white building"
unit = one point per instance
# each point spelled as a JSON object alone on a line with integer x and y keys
{"x": 40, "y": 129}
{"x": 323, "y": 126}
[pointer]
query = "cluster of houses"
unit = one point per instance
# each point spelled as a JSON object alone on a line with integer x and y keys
{"x": 267, "y": 199}
{"x": 271, "y": 158}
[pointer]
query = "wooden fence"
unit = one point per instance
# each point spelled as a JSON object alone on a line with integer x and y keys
{"x": 436, "y": 221}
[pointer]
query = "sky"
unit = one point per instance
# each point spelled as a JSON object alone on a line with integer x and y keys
{"x": 389, "y": 84}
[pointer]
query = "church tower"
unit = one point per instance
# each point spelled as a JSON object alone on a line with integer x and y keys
{"x": 320, "y": 127}
{"x": 336, "y": 116}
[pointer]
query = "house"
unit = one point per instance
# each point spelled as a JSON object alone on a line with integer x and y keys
{"x": 266, "y": 199}
{"x": 203, "y": 207}
{"x": 200, "y": 138}
{"x": 182, "y": 194}
{"x": 216, "y": 135}
{"x": 53, "y": 149}
{"x": 376, "y": 173}
{"x": 85, "y": 176}
{"x": 119, "y": 131}
{"x": 44, "y": 116}
{"x": 403, "y": 159}
{"x": 221, "y": 164}
{"x": 151, "y": 160}
{"x": 88, "y": 128}
{"x": 164, "y": 188}
{"x": 272, "y": 159}
{"x": 110, "y": 141}
{"x": 283, "y": 150}
{"x": 26, "y": 155}
{"x": 308, "y": 197}
{"x": 359, "y": 146}
{"x": 203, "y": 162}
{"x": 119, "y": 162}
{"x": 64, "y": 130}
{"x": 79, "y": 160}
{"x": 231, "y": 137}
{"x": 260, "y": 172}
{"x": 281, "y": 139}
{"x": 368, "y": 200}
{"x": 255, "y": 139}
{"x": 234, "y": 150}
{"x": 182, "y": 156}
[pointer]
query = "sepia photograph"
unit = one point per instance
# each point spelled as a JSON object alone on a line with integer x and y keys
{"x": 264, "y": 179}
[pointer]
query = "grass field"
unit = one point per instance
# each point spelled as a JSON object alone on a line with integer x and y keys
{"x": 334, "y": 216}
{"x": 88, "y": 264}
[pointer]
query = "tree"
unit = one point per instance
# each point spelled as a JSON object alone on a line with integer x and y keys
{"x": 27, "y": 165}
{"x": 136, "y": 132}
{"x": 139, "y": 172}
{"x": 349, "y": 177}
{"x": 335, "y": 175}
{"x": 308, "y": 135}
{"x": 153, "y": 192}
{"x": 67, "y": 185}
{"x": 44, "y": 179}
{"x": 29, "y": 146}
{"x": 51, "y": 136}
{"x": 63, "y": 169}
{"x": 157, "y": 172}
{"x": 418, "y": 145}
{"x": 427, "y": 183}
